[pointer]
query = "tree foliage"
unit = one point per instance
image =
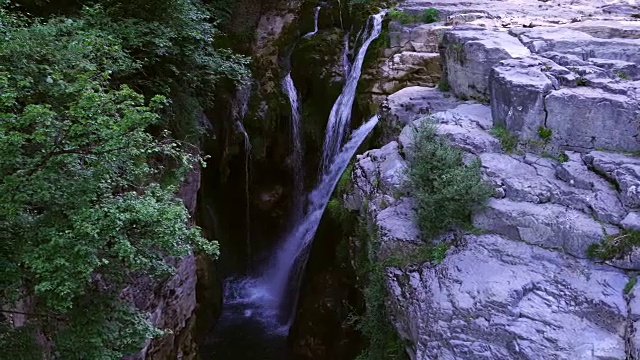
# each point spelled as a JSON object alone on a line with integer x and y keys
{"x": 89, "y": 168}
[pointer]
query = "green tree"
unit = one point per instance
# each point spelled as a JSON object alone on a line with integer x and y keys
{"x": 87, "y": 198}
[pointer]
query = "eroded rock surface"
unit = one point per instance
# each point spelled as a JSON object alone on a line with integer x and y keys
{"x": 561, "y": 78}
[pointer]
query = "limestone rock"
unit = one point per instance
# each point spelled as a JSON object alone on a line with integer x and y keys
{"x": 583, "y": 45}
{"x": 631, "y": 221}
{"x": 408, "y": 69}
{"x": 413, "y": 102}
{"x": 470, "y": 53}
{"x": 500, "y": 299}
{"x": 577, "y": 122}
{"x": 623, "y": 170}
{"x": 518, "y": 88}
{"x": 608, "y": 29}
{"x": 548, "y": 225}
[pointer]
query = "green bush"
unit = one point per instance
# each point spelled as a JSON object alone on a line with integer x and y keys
{"x": 430, "y": 15}
{"x": 446, "y": 190}
{"x": 401, "y": 16}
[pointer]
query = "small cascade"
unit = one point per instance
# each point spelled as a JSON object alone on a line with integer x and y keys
{"x": 346, "y": 64}
{"x": 340, "y": 117}
{"x": 269, "y": 297}
{"x": 296, "y": 140}
{"x": 315, "y": 19}
{"x": 247, "y": 181}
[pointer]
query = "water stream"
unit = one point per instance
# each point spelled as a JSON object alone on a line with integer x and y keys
{"x": 340, "y": 117}
{"x": 296, "y": 140}
{"x": 267, "y": 299}
{"x": 247, "y": 179}
{"x": 315, "y": 19}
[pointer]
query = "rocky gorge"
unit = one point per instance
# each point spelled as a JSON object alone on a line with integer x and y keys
{"x": 544, "y": 94}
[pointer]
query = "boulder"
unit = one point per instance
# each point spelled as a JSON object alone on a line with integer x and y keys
{"x": 469, "y": 54}
{"x": 414, "y": 102}
{"x": 517, "y": 90}
{"x": 586, "y": 118}
{"x": 408, "y": 69}
{"x": 499, "y": 299}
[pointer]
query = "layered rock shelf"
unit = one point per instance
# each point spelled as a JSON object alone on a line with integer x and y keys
{"x": 562, "y": 79}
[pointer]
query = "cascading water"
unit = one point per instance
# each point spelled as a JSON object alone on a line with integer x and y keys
{"x": 283, "y": 278}
{"x": 296, "y": 139}
{"x": 346, "y": 64}
{"x": 340, "y": 117}
{"x": 269, "y": 299}
{"x": 247, "y": 178}
{"x": 315, "y": 19}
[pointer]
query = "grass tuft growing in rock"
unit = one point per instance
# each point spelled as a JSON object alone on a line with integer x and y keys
{"x": 446, "y": 189}
{"x": 614, "y": 246}
{"x": 508, "y": 141}
{"x": 545, "y": 133}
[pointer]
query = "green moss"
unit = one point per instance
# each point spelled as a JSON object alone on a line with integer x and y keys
{"x": 508, "y": 141}
{"x": 632, "y": 282}
{"x": 623, "y": 75}
{"x": 403, "y": 257}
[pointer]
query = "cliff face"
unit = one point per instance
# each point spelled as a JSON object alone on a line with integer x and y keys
{"x": 564, "y": 95}
{"x": 182, "y": 304}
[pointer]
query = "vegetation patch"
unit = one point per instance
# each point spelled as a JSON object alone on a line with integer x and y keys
{"x": 383, "y": 341}
{"x": 446, "y": 190}
{"x": 99, "y": 107}
{"x": 544, "y": 133}
{"x": 428, "y": 16}
{"x": 443, "y": 85}
{"x": 633, "y": 280}
{"x": 614, "y": 246}
{"x": 508, "y": 141}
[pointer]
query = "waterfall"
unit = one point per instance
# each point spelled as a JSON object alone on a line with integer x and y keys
{"x": 315, "y": 21}
{"x": 270, "y": 297}
{"x": 340, "y": 117}
{"x": 284, "y": 277}
{"x": 247, "y": 161}
{"x": 296, "y": 141}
